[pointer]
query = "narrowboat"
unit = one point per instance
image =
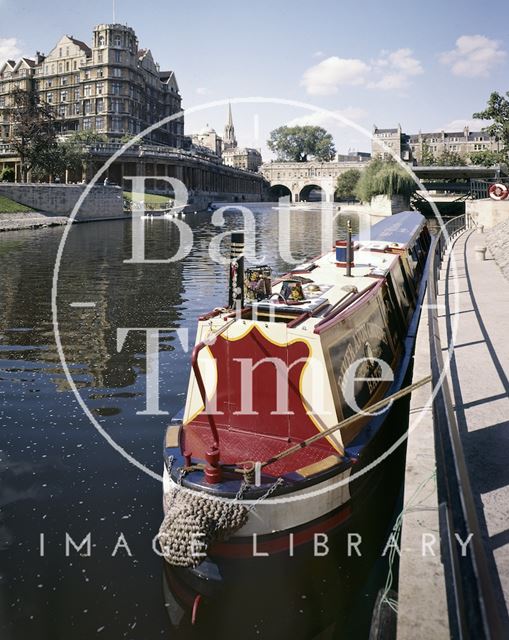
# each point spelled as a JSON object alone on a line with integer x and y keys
{"x": 273, "y": 463}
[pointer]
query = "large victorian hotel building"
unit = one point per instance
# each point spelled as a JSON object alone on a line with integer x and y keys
{"x": 112, "y": 87}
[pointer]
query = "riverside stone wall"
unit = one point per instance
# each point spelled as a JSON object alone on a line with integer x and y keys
{"x": 60, "y": 199}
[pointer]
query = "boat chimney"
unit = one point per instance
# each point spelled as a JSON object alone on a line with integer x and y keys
{"x": 349, "y": 249}
{"x": 236, "y": 292}
{"x": 345, "y": 251}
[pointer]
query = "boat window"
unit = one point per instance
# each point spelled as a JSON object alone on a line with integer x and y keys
{"x": 402, "y": 289}
{"x": 365, "y": 339}
{"x": 391, "y": 317}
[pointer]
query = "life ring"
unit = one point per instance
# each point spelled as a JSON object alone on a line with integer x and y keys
{"x": 498, "y": 191}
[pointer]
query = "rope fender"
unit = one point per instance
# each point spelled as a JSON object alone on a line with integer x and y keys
{"x": 192, "y": 523}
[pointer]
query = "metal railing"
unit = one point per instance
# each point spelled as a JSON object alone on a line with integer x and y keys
{"x": 479, "y": 188}
{"x": 471, "y": 604}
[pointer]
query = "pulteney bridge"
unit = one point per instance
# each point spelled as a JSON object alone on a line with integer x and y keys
{"x": 305, "y": 180}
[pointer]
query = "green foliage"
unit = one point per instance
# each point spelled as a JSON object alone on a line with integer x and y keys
{"x": 487, "y": 158}
{"x": 384, "y": 178}
{"x": 427, "y": 156}
{"x": 7, "y": 175}
{"x": 346, "y": 183}
{"x": 444, "y": 159}
{"x": 450, "y": 159}
{"x": 296, "y": 144}
{"x": 497, "y": 110}
{"x": 32, "y": 127}
{"x": 88, "y": 138}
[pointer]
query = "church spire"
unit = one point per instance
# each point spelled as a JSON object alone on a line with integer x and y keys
{"x": 229, "y": 141}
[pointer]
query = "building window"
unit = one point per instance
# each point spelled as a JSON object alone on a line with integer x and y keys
{"x": 77, "y": 94}
{"x": 49, "y": 83}
{"x": 99, "y": 87}
{"x": 117, "y": 41}
{"x": 99, "y": 56}
{"x": 64, "y": 80}
{"x": 118, "y": 56}
{"x": 77, "y": 109}
{"x": 87, "y": 90}
{"x": 87, "y": 123}
{"x": 115, "y": 88}
{"x": 117, "y": 73}
{"x": 63, "y": 96}
{"x": 60, "y": 52}
{"x": 99, "y": 105}
{"x": 115, "y": 106}
{"x": 116, "y": 124}
{"x": 101, "y": 41}
{"x": 100, "y": 73}
{"x": 86, "y": 106}
{"x": 62, "y": 111}
{"x": 99, "y": 123}
{"x": 49, "y": 98}
{"x": 75, "y": 65}
{"x": 60, "y": 67}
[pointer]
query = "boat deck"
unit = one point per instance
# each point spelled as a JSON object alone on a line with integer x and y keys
{"x": 235, "y": 444}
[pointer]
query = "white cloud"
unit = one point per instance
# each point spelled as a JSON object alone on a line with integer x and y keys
{"x": 473, "y": 56}
{"x": 9, "y": 48}
{"x": 329, "y": 74}
{"x": 403, "y": 61}
{"x": 461, "y": 123}
{"x": 318, "y": 54}
{"x": 202, "y": 91}
{"x": 390, "y": 81}
{"x": 397, "y": 68}
{"x": 327, "y": 120}
{"x": 391, "y": 70}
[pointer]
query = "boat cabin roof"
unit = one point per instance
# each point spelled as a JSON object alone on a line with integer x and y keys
{"x": 400, "y": 229}
{"x": 326, "y": 284}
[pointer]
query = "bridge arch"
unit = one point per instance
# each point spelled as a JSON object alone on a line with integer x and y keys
{"x": 277, "y": 191}
{"x": 312, "y": 193}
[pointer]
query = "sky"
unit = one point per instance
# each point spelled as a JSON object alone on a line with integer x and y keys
{"x": 427, "y": 66}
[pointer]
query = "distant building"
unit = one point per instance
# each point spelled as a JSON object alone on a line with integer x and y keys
{"x": 226, "y": 148}
{"x": 112, "y": 87}
{"x": 410, "y": 147}
{"x": 461, "y": 142}
{"x": 243, "y": 158}
{"x": 394, "y": 140}
{"x": 353, "y": 156}
{"x": 229, "y": 140}
{"x": 209, "y": 139}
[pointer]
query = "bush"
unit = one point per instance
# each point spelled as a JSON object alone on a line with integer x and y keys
{"x": 346, "y": 184}
{"x": 7, "y": 175}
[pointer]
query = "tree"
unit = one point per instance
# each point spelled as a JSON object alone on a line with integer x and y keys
{"x": 32, "y": 128}
{"x": 346, "y": 183}
{"x": 296, "y": 144}
{"x": 487, "y": 158}
{"x": 497, "y": 110}
{"x": 450, "y": 159}
{"x": 7, "y": 174}
{"x": 384, "y": 178}
{"x": 427, "y": 155}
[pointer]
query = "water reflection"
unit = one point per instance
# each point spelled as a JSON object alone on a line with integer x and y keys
{"x": 57, "y": 474}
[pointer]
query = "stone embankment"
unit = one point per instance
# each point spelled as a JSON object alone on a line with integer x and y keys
{"x": 497, "y": 240}
{"x": 29, "y": 220}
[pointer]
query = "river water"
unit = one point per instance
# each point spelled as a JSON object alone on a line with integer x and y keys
{"x": 59, "y": 476}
